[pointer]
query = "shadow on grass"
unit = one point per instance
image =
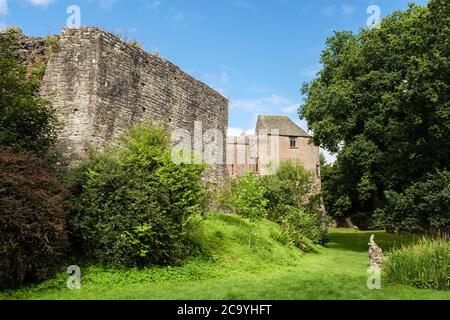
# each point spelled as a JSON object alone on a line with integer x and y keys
{"x": 353, "y": 240}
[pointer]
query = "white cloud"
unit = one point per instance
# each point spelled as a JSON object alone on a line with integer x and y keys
{"x": 236, "y": 132}
{"x": 41, "y": 3}
{"x": 3, "y": 7}
{"x": 348, "y": 9}
{"x": 271, "y": 104}
{"x": 38, "y": 3}
{"x": 250, "y": 132}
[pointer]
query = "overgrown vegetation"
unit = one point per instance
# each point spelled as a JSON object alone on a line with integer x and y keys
{"x": 33, "y": 212}
{"x": 52, "y": 42}
{"x": 294, "y": 202}
{"x": 135, "y": 44}
{"x": 290, "y": 197}
{"x": 423, "y": 207}
{"x": 133, "y": 201}
{"x": 425, "y": 264}
{"x": 33, "y": 205}
{"x": 382, "y": 103}
{"x": 248, "y": 198}
{"x": 27, "y": 122}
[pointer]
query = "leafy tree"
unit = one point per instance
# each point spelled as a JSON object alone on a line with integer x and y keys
{"x": 292, "y": 185}
{"x": 381, "y": 101}
{"x": 423, "y": 207}
{"x": 133, "y": 201}
{"x": 247, "y": 199}
{"x": 27, "y": 122}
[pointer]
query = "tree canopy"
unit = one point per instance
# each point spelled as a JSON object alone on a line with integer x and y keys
{"x": 381, "y": 101}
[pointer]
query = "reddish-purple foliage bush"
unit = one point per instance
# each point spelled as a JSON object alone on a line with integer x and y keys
{"x": 33, "y": 209}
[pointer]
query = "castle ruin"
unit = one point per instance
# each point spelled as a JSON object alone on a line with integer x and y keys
{"x": 102, "y": 85}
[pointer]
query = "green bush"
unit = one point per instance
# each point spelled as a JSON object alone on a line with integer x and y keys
{"x": 33, "y": 210}
{"x": 425, "y": 264}
{"x": 247, "y": 197}
{"x": 133, "y": 201}
{"x": 27, "y": 122}
{"x": 292, "y": 185}
{"x": 423, "y": 207}
{"x": 299, "y": 228}
{"x": 293, "y": 201}
{"x": 304, "y": 223}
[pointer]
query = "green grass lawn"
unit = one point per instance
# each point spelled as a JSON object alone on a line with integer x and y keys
{"x": 230, "y": 269}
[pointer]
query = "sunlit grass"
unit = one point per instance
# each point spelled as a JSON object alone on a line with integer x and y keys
{"x": 227, "y": 268}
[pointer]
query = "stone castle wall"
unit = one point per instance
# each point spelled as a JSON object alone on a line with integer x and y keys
{"x": 102, "y": 85}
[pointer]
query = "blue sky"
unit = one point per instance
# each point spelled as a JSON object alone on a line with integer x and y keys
{"x": 255, "y": 52}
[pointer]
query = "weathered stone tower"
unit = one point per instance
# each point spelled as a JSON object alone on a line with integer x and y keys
{"x": 102, "y": 85}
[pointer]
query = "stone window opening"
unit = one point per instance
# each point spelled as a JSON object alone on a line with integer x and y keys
{"x": 293, "y": 142}
{"x": 255, "y": 165}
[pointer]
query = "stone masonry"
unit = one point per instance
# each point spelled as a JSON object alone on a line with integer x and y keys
{"x": 294, "y": 144}
{"x": 102, "y": 85}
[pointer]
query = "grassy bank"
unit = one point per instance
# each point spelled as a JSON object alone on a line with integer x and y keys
{"x": 227, "y": 268}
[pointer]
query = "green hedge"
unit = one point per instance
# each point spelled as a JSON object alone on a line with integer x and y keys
{"x": 133, "y": 201}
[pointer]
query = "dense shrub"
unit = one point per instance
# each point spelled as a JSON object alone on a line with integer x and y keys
{"x": 299, "y": 221}
{"x": 299, "y": 228}
{"x": 293, "y": 200}
{"x": 33, "y": 233}
{"x": 292, "y": 185}
{"x": 423, "y": 207}
{"x": 133, "y": 201}
{"x": 27, "y": 122}
{"x": 423, "y": 265}
{"x": 247, "y": 197}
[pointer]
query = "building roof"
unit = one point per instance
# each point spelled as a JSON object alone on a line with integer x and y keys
{"x": 285, "y": 125}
